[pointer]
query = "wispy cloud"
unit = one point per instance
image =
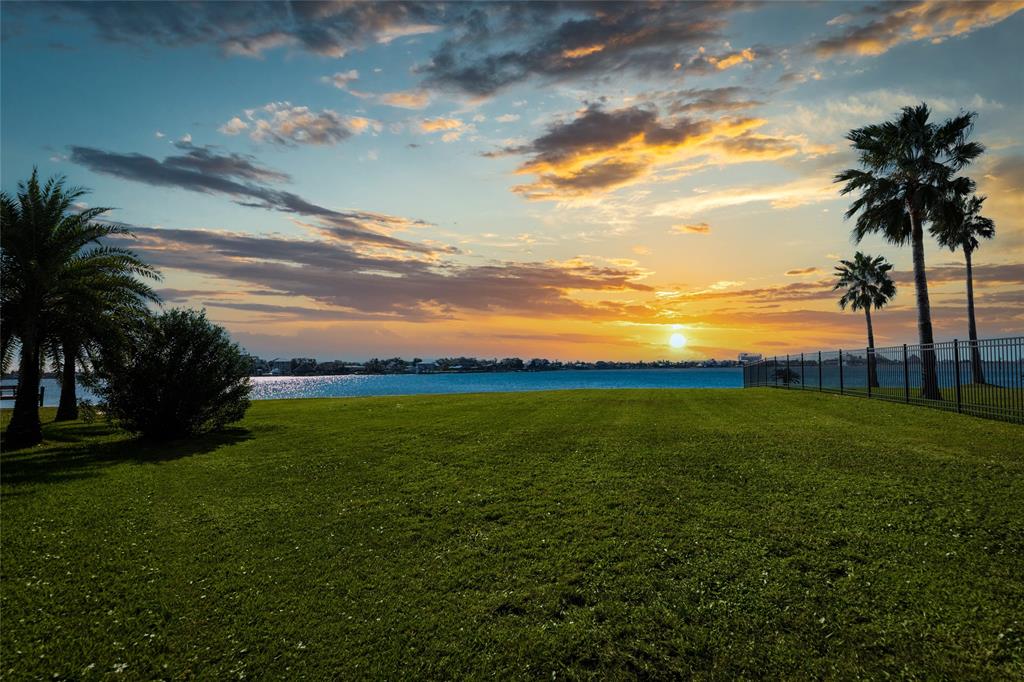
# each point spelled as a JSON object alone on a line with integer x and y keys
{"x": 787, "y": 195}
{"x": 203, "y": 169}
{"x": 893, "y": 24}
{"x": 690, "y": 228}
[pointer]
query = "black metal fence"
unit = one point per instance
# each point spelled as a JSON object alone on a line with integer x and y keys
{"x": 982, "y": 378}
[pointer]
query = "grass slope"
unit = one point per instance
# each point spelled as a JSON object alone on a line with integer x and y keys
{"x": 583, "y": 534}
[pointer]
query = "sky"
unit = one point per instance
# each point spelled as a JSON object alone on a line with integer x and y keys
{"x": 575, "y": 181}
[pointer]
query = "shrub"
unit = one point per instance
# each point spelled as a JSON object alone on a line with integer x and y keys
{"x": 179, "y": 375}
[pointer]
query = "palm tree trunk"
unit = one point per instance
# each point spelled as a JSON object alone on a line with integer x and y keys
{"x": 25, "y": 429}
{"x": 67, "y": 410}
{"x": 977, "y": 371}
{"x": 872, "y": 371}
{"x": 929, "y": 369}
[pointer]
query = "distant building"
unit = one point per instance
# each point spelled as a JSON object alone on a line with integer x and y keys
{"x": 279, "y": 366}
{"x": 750, "y": 357}
{"x": 426, "y": 367}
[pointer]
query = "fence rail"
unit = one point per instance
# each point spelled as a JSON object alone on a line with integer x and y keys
{"x": 983, "y": 378}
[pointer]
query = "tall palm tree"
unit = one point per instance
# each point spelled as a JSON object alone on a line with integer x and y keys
{"x": 961, "y": 227}
{"x": 906, "y": 177}
{"x": 866, "y": 284}
{"x": 50, "y": 255}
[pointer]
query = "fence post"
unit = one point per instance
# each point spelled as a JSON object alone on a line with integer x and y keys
{"x": 956, "y": 371}
{"x": 787, "y": 378}
{"x": 867, "y": 356}
{"x": 819, "y": 370}
{"x": 906, "y": 376}
{"x": 42, "y": 394}
{"x": 840, "y": 371}
{"x": 775, "y": 366}
{"x": 803, "y": 374}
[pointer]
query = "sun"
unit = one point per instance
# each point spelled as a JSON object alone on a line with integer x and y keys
{"x": 677, "y": 340}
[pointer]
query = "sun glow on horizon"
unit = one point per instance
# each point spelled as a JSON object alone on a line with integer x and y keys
{"x": 677, "y": 340}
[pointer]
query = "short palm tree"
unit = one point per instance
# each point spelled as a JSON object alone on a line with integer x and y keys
{"x": 907, "y": 175}
{"x": 962, "y": 226}
{"x": 50, "y": 257}
{"x": 100, "y": 299}
{"x": 866, "y": 284}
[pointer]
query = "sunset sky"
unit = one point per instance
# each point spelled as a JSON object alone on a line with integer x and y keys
{"x": 571, "y": 181}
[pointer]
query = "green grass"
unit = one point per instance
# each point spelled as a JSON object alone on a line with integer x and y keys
{"x": 582, "y": 534}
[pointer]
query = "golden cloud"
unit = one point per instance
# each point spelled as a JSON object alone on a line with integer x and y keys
{"x": 581, "y": 51}
{"x": 433, "y": 125}
{"x": 928, "y": 20}
{"x": 602, "y": 150}
{"x": 693, "y": 228}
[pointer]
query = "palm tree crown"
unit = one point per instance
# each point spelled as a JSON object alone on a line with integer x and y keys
{"x": 962, "y": 225}
{"x": 908, "y": 169}
{"x": 865, "y": 281}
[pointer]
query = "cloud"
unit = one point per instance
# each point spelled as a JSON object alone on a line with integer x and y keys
{"x": 984, "y": 274}
{"x": 335, "y": 274}
{"x": 452, "y": 128}
{"x": 202, "y": 169}
{"x": 433, "y": 125}
{"x": 233, "y": 127}
{"x": 329, "y": 29}
{"x": 802, "y": 272}
{"x": 692, "y": 228}
{"x": 600, "y": 150}
{"x": 894, "y": 24}
{"x": 834, "y": 116}
{"x": 284, "y": 124}
{"x": 341, "y": 79}
{"x": 405, "y": 99}
{"x": 787, "y": 195}
{"x": 708, "y": 63}
{"x": 507, "y": 118}
{"x": 706, "y": 100}
{"x": 590, "y": 40}
{"x": 402, "y": 99}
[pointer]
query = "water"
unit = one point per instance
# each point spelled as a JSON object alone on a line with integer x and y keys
{"x": 353, "y": 385}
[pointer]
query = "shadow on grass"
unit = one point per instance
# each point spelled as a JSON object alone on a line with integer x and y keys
{"x": 76, "y": 450}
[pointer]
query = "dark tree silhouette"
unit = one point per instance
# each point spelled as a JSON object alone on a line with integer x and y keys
{"x": 866, "y": 284}
{"x": 906, "y": 177}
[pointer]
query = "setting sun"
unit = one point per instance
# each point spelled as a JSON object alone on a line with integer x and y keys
{"x": 677, "y": 340}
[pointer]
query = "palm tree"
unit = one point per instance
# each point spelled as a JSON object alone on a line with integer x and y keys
{"x": 100, "y": 299}
{"x": 906, "y": 178}
{"x": 50, "y": 256}
{"x": 866, "y": 284}
{"x": 961, "y": 227}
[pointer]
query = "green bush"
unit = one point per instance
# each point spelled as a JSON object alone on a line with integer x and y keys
{"x": 179, "y": 375}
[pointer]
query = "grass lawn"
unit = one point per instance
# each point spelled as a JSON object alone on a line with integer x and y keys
{"x": 581, "y": 534}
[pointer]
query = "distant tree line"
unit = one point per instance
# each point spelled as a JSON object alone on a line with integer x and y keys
{"x": 310, "y": 367}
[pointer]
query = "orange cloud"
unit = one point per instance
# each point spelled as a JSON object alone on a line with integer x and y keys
{"x": 581, "y": 51}
{"x": 405, "y": 99}
{"x": 695, "y": 228}
{"x": 602, "y": 150}
{"x": 730, "y": 60}
{"x": 802, "y": 272}
{"x": 433, "y": 125}
{"x": 927, "y": 20}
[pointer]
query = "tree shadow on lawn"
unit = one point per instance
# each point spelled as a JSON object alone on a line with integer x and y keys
{"x": 67, "y": 453}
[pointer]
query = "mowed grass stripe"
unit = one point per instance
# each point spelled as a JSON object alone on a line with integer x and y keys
{"x": 582, "y": 533}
